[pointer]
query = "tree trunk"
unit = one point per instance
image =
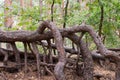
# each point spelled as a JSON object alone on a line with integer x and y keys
{"x": 40, "y": 3}
{"x": 31, "y": 4}
{"x": 57, "y": 34}
{"x": 88, "y": 62}
{"x": 52, "y": 11}
{"x": 65, "y": 14}
{"x": 86, "y": 55}
{"x": 25, "y": 3}
{"x": 8, "y": 18}
{"x": 59, "y": 68}
{"x": 22, "y": 3}
{"x": 8, "y": 22}
{"x": 101, "y": 18}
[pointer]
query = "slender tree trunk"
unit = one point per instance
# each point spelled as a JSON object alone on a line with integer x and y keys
{"x": 101, "y": 18}
{"x": 65, "y": 14}
{"x": 40, "y": 3}
{"x": 65, "y": 17}
{"x": 8, "y": 21}
{"x": 31, "y": 4}
{"x": 0, "y": 45}
{"x": 48, "y": 12}
{"x": 25, "y": 3}
{"x": 17, "y": 55}
{"x": 28, "y": 3}
{"x": 22, "y": 3}
{"x": 52, "y": 7}
{"x": 62, "y": 8}
{"x": 52, "y": 19}
{"x": 8, "y": 18}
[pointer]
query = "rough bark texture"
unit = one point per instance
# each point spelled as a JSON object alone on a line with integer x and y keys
{"x": 87, "y": 58}
{"x": 35, "y": 36}
{"x": 52, "y": 7}
{"x": 61, "y": 52}
{"x": 25, "y": 56}
{"x": 40, "y": 34}
{"x": 101, "y": 18}
{"x": 36, "y": 52}
{"x": 88, "y": 62}
{"x": 65, "y": 14}
{"x": 5, "y": 53}
{"x": 17, "y": 55}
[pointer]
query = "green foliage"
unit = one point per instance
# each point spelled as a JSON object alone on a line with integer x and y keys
{"x": 111, "y": 20}
{"x": 28, "y": 18}
{"x": 1, "y": 20}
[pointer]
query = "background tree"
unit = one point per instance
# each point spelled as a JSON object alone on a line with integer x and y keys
{"x": 40, "y": 3}
{"x": 90, "y": 14}
{"x": 8, "y": 17}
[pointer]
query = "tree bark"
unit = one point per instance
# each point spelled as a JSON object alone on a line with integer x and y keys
{"x": 88, "y": 62}
{"x": 17, "y": 55}
{"x": 25, "y": 57}
{"x": 87, "y": 57}
{"x": 101, "y": 18}
{"x": 58, "y": 70}
{"x": 40, "y": 3}
{"x": 65, "y": 14}
{"x": 30, "y": 36}
{"x": 25, "y": 3}
{"x": 40, "y": 34}
{"x": 8, "y": 18}
{"x": 22, "y": 3}
{"x": 36, "y": 52}
{"x": 52, "y": 11}
{"x": 31, "y": 4}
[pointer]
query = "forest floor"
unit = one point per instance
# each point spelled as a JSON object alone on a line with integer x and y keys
{"x": 13, "y": 74}
{"x": 107, "y": 73}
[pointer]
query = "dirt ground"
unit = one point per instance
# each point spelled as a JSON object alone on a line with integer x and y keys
{"x": 32, "y": 74}
{"x": 108, "y": 74}
{"x": 14, "y": 74}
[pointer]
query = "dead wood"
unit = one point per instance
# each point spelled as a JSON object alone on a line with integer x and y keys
{"x": 87, "y": 58}
{"x": 58, "y": 70}
{"x": 38, "y": 35}
{"x": 30, "y": 36}
{"x": 36, "y": 52}
{"x": 17, "y": 55}
{"x": 25, "y": 56}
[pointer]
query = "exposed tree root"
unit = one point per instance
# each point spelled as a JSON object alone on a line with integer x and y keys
{"x": 33, "y": 38}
